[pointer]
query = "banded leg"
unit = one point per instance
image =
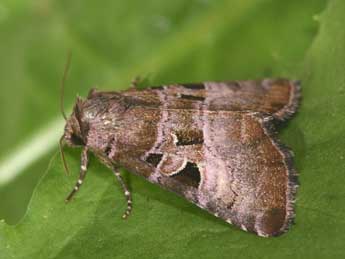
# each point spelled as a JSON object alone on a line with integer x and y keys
{"x": 126, "y": 192}
{"x": 83, "y": 169}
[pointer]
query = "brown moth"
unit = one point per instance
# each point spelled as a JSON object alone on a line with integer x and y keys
{"x": 212, "y": 143}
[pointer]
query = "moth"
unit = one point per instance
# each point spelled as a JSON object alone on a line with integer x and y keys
{"x": 213, "y": 143}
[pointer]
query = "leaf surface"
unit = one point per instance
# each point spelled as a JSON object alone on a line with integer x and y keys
{"x": 178, "y": 41}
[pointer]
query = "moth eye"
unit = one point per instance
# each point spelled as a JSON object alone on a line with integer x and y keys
{"x": 189, "y": 137}
{"x": 154, "y": 159}
{"x": 189, "y": 175}
{"x": 192, "y": 97}
{"x": 76, "y": 140}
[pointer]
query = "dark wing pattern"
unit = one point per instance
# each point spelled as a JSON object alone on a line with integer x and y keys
{"x": 212, "y": 143}
{"x": 277, "y": 97}
{"x": 233, "y": 167}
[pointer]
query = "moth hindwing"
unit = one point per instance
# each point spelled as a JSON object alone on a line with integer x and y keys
{"x": 213, "y": 143}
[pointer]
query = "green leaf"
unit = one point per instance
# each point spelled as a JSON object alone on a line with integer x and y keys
{"x": 177, "y": 41}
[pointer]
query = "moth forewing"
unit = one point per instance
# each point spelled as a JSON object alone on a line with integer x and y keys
{"x": 210, "y": 142}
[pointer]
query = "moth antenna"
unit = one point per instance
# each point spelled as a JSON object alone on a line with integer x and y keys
{"x": 62, "y": 87}
{"x": 61, "y": 145}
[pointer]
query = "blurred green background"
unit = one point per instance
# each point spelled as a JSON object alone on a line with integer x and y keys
{"x": 167, "y": 42}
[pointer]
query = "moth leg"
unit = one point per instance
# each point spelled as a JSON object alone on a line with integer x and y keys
{"x": 126, "y": 192}
{"x": 83, "y": 169}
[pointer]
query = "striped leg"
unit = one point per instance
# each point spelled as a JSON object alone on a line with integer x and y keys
{"x": 83, "y": 169}
{"x": 127, "y": 193}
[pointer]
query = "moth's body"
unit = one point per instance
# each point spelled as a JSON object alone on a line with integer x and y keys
{"x": 211, "y": 143}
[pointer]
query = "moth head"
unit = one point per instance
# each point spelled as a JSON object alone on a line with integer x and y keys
{"x": 75, "y": 134}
